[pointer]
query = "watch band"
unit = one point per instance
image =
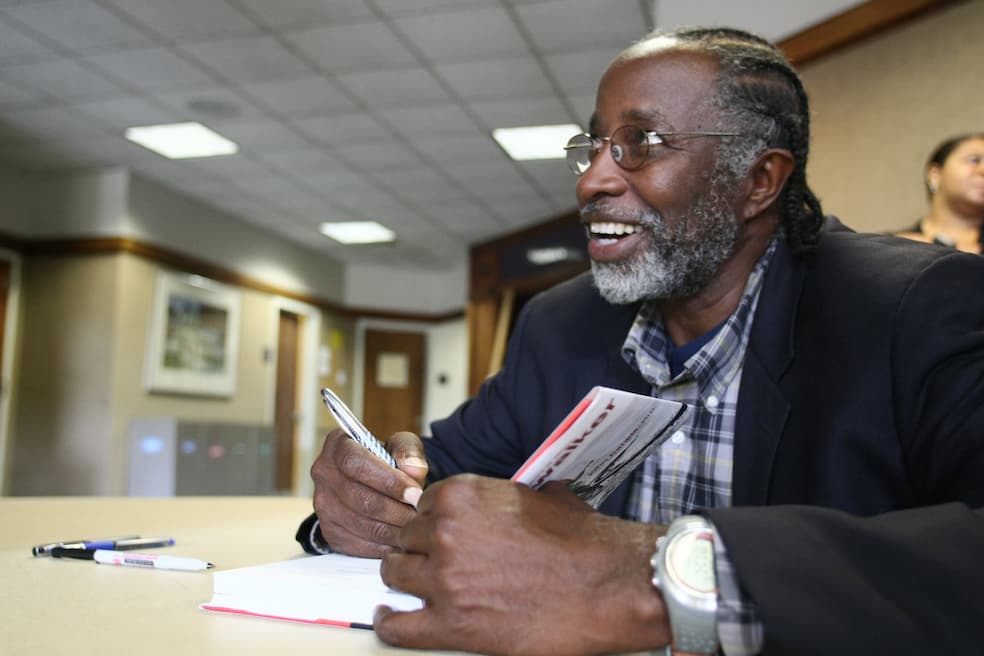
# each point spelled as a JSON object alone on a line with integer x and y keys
{"x": 683, "y": 572}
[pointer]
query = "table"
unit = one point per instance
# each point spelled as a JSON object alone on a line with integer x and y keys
{"x": 55, "y": 606}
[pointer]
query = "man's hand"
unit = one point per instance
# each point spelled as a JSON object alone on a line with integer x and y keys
{"x": 507, "y": 570}
{"x": 361, "y": 501}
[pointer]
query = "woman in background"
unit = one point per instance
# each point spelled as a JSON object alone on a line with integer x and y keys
{"x": 955, "y": 187}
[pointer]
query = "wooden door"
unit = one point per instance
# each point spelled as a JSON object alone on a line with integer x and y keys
{"x": 285, "y": 403}
{"x": 393, "y": 392}
{"x": 4, "y": 291}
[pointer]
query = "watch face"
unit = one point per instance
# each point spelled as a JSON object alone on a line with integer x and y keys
{"x": 690, "y": 561}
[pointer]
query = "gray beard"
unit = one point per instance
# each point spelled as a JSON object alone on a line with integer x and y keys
{"x": 678, "y": 263}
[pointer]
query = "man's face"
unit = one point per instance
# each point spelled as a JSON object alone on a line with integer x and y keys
{"x": 663, "y": 230}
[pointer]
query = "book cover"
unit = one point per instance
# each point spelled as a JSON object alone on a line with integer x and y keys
{"x": 334, "y": 589}
{"x": 601, "y": 441}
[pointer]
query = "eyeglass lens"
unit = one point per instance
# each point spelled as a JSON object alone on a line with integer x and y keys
{"x": 629, "y": 147}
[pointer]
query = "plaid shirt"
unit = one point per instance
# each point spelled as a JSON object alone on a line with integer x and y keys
{"x": 692, "y": 469}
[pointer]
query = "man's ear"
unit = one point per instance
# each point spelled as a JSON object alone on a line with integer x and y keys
{"x": 765, "y": 181}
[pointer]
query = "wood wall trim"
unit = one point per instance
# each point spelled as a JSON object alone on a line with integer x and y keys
{"x": 175, "y": 260}
{"x": 853, "y": 25}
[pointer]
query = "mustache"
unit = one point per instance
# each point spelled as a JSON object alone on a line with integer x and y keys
{"x": 600, "y": 211}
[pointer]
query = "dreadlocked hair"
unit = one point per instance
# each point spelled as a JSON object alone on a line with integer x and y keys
{"x": 760, "y": 92}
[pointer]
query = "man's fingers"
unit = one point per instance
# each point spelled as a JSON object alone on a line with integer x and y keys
{"x": 357, "y": 535}
{"x": 405, "y": 572}
{"x": 414, "y": 629}
{"x": 408, "y": 451}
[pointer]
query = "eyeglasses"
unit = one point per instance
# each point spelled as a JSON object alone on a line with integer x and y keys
{"x": 631, "y": 146}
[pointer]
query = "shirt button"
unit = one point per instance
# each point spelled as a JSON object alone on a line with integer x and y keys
{"x": 712, "y": 402}
{"x": 678, "y": 437}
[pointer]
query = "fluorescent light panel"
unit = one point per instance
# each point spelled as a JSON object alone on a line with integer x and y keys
{"x": 357, "y": 232}
{"x": 536, "y": 141}
{"x": 181, "y": 140}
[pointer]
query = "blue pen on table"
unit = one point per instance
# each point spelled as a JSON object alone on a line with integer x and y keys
{"x": 130, "y": 559}
{"x": 356, "y": 430}
{"x": 119, "y": 544}
{"x": 45, "y": 549}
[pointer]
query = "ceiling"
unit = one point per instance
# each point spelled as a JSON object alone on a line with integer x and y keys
{"x": 343, "y": 109}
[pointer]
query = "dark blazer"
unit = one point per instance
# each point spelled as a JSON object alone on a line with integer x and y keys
{"x": 826, "y": 582}
{"x": 862, "y": 388}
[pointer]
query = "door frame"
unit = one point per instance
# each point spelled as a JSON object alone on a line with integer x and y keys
{"x": 9, "y": 346}
{"x": 305, "y": 434}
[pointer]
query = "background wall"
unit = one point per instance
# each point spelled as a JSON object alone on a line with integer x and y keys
{"x": 880, "y": 107}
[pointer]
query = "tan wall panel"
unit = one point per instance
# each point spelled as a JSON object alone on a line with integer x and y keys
{"x": 879, "y": 108}
{"x": 62, "y": 418}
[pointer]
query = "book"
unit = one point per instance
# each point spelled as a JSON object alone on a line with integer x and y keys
{"x": 603, "y": 439}
{"x": 333, "y": 589}
{"x": 600, "y": 442}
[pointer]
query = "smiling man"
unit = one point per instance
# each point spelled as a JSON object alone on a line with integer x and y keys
{"x": 839, "y": 372}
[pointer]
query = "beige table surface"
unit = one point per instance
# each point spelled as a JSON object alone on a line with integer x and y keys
{"x": 57, "y": 606}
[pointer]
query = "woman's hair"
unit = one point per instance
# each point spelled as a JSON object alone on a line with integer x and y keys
{"x": 943, "y": 151}
{"x": 761, "y": 92}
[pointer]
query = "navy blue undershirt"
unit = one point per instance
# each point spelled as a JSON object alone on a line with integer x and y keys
{"x": 677, "y": 356}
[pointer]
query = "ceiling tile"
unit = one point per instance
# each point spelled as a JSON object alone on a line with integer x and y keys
{"x": 294, "y": 161}
{"x": 78, "y": 25}
{"x": 342, "y": 128}
{"x": 497, "y": 78}
{"x": 210, "y": 103}
{"x": 378, "y": 156}
{"x": 416, "y": 7}
{"x": 310, "y": 94}
{"x": 247, "y": 58}
{"x": 480, "y": 173}
{"x": 383, "y": 89}
{"x": 153, "y": 69}
{"x": 613, "y": 22}
{"x": 361, "y": 46}
{"x": 61, "y": 78}
{"x": 456, "y": 149}
{"x": 329, "y": 181}
{"x": 578, "y": 73}
{"x": 230, "y": 167}
{"x": 258, "y": 133}
{"x": 429, "y": 119}
{"x": 307, "y": 12}
{"x": 124, "y": 112}
{"x": 452, "y": 36}
{"x": 183, "y": 19}
{"x": 13, "y": 96}
{"x": 583, "y": 105}
{"x": 18, "y": 47}
{"x": 526, "y": 111}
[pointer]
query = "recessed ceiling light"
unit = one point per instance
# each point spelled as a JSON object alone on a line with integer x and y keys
{"x": 357, "y": 232}
{"x": 181, "y": 140}
{"x": 536, "y": 141}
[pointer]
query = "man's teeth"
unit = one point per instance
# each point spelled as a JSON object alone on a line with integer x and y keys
{"x": 612, "y": 229}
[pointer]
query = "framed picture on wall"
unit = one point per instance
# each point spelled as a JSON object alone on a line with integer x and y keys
{"x": 194, "y": 337}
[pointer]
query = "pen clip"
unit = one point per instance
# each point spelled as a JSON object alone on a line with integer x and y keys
{"x": 345, "y": 417}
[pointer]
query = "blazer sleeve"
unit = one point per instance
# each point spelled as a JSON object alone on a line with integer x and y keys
{"x": 827, "y": 582}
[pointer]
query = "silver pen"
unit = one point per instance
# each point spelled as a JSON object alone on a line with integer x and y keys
{"x": 356, "y": 430}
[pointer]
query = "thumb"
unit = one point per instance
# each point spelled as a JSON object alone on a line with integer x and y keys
{"x": 408, "y": 451}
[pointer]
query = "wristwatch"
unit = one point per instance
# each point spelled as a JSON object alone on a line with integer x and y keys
{"x": 683, "y": 572}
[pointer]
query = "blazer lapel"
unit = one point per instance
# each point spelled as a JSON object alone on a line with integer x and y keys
{"x": 762, "y": 406}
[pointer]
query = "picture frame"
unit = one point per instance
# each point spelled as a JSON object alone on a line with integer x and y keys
{"x": 193, "y": 342}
